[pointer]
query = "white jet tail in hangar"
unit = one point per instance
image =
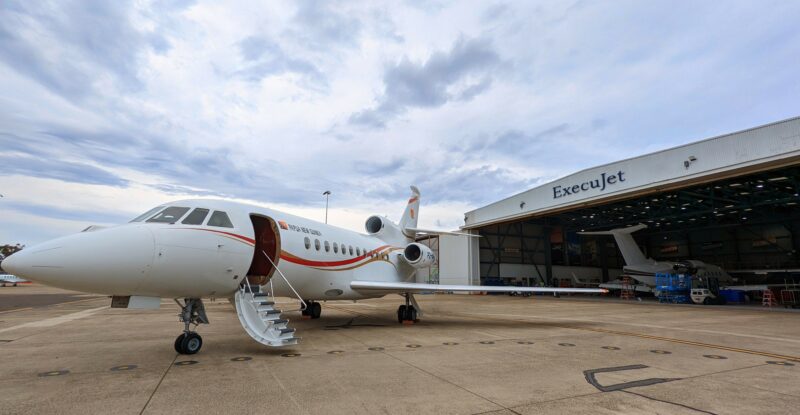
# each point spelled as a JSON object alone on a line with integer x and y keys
{"x": 627, "y": 245}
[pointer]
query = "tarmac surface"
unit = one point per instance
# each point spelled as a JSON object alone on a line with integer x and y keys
{"x": 65, "y": 352}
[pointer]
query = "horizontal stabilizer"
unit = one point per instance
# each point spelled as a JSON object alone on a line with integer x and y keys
{"x": 627, "y": 245}
{"x": 411, "y": 287}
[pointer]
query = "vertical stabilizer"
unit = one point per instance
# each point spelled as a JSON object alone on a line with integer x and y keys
{"x": 409, "y": 219}
{"x": 627, "y": 245}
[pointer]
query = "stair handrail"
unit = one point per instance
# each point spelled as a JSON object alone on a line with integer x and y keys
{"x": 305, "y": 306}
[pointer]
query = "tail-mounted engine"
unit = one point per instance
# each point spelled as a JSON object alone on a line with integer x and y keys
{"x": 419, "y": 256}
{"x": 385, "y": 229}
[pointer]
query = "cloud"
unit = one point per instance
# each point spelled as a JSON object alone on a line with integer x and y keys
{"x": 322, "y": 24}
{"x": 262, "y": 57}
{"x": 460, "y": 74}
{"x": 121, "y": 106}
{"x": 92, "y": 36}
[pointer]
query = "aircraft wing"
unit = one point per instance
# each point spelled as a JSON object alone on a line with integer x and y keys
{"x": 412, "y": 287}
{"x": 436, "y": 232}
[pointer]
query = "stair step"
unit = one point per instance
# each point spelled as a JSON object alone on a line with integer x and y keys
{"x": 287, "y": 330}
{"x": 281, "y": 321}
{"x": 266, "y": 303}
{"x": 259, "y": 295}
{"x": 252, "y": 288}
{"x": 270, "y": 312}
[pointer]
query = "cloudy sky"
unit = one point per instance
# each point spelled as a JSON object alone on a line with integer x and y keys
{"x": 108, "y": 108}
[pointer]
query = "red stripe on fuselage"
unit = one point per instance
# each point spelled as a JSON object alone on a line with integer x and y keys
{"x": 238, "y": 237}
{"x": 301, "y": 261}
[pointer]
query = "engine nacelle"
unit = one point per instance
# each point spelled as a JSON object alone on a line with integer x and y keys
{"x": 385, "y": 229}
{"x": 418, "y": 255}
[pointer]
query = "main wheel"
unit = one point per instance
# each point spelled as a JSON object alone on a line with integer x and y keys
{"x": 401, "y": 314}
{"x": 411, "y": 314}
{"x": 191, "y": 344}
{"x": 316, "y": 310}
{"x": 178, "y": 342}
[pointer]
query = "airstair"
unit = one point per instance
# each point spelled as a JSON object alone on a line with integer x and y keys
{"x": 260, "y": 319}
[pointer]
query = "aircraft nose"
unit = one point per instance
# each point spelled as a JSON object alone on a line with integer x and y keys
{"x": 107, "y": 261}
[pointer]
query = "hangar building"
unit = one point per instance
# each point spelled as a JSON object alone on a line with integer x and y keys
{"x": 730, "y": 200}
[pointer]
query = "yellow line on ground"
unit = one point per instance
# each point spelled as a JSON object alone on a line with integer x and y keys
{"x": 16, "y": 309}
{"x": 667, "y": 339}
{"x": 77, "y": 301}
{"x": 691, "y": 343}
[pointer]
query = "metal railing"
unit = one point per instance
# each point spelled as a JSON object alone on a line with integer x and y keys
{"x": 304, "y": 305}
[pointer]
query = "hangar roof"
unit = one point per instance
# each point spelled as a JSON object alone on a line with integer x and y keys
{"x": 759, "y": 149}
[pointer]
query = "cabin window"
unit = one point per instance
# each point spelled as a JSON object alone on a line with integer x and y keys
{"x": 219, "y": 218}
{"x": 358, "y": 251}
{"x": 351, "y": 250}
{"x": 336, "y": 248}
{"x": 344, "y": 250}
{"x": 316, "y": 244}
{"x": 307, "y": 241}
{"x": 169, "y": 215}
{"x": 327, "y": 246}
{"x": 147, "y": 214}
{"x": 196, "y": 217}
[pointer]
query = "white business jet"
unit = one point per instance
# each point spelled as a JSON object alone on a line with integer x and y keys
{"x": 195, "y": 249}
{"x": 644, "y": 270}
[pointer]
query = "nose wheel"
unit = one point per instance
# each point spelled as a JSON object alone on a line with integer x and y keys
{"x": 192, "y": 312}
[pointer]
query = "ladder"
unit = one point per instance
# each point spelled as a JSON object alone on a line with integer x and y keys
{"x": 260, "y": 319}
{"x": 768, "y": 298}
{"x": 628, "y": 290}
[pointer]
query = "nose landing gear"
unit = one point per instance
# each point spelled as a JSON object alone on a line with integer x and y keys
{"x": 192, "y": 312}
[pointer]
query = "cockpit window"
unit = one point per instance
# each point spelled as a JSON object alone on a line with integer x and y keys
{"x": 196, "y": 217}
{"x": 219, "y": 218}
{"x": 169, "y": 215}
{"x": 147, "y": 214}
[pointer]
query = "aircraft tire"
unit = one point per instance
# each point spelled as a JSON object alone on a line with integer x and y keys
{"x": 401, "y": 314}
{"x": 316, "y": 310}
{"x": 411, "y": 313}
{"x": 178, "y": 342}
{"x": 191, "y": 344}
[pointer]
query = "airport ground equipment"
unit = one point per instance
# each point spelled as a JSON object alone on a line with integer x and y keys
{"x": 706, "y": 291}
{"x": 673, "y": 288}
{"x": 768, "y": 298}
{"x": 260, "y": 319}
{"x": 790, "y": 295}
{"x": 628, "y": 291}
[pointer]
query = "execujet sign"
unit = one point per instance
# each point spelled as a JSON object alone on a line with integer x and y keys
{"x": 600, "y": 183}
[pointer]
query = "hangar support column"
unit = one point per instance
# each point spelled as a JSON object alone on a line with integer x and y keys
{"x": 548, "y": 258}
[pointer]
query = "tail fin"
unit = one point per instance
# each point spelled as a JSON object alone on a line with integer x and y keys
{"x": 627, "y": 245}
{"x": 409, "y": 219}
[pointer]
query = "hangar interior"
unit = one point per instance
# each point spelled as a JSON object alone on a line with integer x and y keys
{"x": 747, "y": 224}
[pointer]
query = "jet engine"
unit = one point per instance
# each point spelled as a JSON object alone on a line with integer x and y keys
{"x": 385, "y": 229}
{"x": 418, "y": 255}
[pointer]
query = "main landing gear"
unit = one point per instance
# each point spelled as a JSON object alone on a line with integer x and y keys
{"x": 407, "y": 313}
{"x": 313, "y": 309}
{"x": 192, "y": 312}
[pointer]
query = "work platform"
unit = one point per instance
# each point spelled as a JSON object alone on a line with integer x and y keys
{"x": 469, "y": 354}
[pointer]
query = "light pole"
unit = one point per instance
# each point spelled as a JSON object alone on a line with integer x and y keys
{"x": 327, "y": 193}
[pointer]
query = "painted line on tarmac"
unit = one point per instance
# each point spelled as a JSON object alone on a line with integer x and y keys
{"x": 651, "y": 337}
{"x": 16, "y": 309}
{"x": 692, "y": 343}
{"x": 653, "y": 326}
{"x": 56, "y": 320}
